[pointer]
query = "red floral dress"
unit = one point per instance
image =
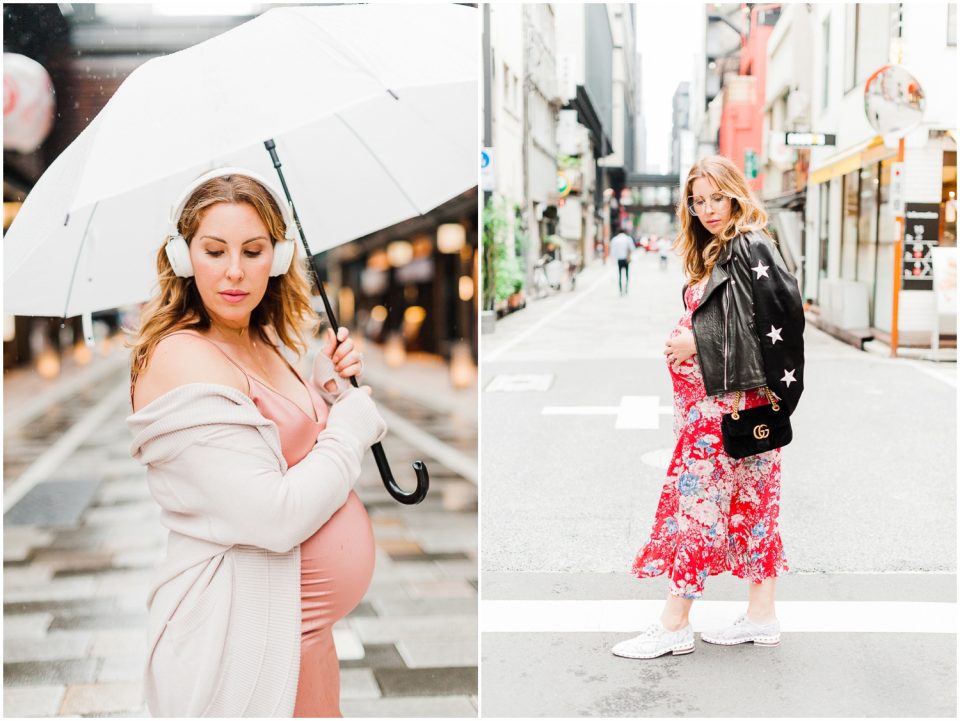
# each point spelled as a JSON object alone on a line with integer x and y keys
{"x": 716, "y": 513}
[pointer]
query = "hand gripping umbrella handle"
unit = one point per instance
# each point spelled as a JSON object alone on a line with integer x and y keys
{"x": 423, "y": 477}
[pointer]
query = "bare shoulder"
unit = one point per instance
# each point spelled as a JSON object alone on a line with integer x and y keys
{"x": 181, "y": 359}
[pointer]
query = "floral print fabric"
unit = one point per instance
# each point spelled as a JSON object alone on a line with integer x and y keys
{"x": 716, "y": 513}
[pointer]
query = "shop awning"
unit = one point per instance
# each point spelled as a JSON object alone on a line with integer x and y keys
{"x": 788, "y": 201}
{"x": 867, "y": 152}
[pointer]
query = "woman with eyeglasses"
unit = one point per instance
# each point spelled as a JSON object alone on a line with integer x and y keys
{"x": 738, "y": 345}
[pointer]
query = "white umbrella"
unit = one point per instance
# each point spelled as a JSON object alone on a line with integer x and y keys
{"x": 373, "y": 109}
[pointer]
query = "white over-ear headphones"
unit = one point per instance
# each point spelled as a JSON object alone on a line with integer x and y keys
{"x": 178, "y": 252}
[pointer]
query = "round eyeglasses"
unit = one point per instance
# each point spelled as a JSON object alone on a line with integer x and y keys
{"x": 697, "y": 206}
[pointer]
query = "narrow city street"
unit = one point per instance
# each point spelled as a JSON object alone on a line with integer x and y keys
{"x": 577, "y": 433}
{"x": 82, "y": 535}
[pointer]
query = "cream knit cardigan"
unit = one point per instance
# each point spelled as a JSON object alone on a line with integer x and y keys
{"x": 224, "y": 608}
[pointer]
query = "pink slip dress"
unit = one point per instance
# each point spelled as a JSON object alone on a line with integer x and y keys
{"x": 336, "y": 562}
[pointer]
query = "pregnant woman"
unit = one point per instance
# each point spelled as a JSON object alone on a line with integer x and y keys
{"x": 252, "y": 466}
{"x": 738, "y": 345}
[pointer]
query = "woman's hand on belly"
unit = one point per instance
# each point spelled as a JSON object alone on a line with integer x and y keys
{"x": 679, "y": 348}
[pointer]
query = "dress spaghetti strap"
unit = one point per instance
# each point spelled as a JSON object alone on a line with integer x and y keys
{"x": 225, "y": 354}
{"x": 197, "y": 335}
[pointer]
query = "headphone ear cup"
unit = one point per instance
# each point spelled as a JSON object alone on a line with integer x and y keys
{"x": 283, "y": 252}
{"x": 178, "y": 253}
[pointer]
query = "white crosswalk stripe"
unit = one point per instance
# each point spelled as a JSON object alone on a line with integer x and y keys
{"x": 794, "y": 616}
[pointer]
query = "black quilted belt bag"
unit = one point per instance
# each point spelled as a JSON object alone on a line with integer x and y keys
{"x": 749, "y": 432}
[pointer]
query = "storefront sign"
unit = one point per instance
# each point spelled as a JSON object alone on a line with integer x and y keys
{"x": 919, "y": 238}
{"x": 488, "y": 182}
{"x": 807, "y": 140}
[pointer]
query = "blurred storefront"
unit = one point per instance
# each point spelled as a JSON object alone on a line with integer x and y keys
{"x": 87, "y": 51}
{"x": 868, "y": 230}
{"x": 412, "y": 287}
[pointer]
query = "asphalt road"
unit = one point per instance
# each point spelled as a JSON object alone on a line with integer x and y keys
{"x": 577, "y": 429}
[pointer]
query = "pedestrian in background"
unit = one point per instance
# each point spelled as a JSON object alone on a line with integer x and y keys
{"x": 621, "y": 245}
{"x": 253, "y": 467}
{"x": 717, "y": 513}
{"x": 663, "y": 245}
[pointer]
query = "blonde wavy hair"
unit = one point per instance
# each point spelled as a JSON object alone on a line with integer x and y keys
{"x": 285, "y": 306}
{"x": 697, "y": 246}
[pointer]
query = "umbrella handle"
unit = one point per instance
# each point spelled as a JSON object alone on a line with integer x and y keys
{"x": 423, "y": 477}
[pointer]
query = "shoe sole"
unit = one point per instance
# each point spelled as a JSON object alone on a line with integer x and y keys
{"x": 769, "y": 641}
{"x": 676, "y": 651}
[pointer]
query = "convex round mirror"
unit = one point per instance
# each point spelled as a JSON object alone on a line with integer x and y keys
{"x": 893, "y": 100}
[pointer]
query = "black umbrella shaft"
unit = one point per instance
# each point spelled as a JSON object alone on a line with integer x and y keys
{"x": 423, "y": 478}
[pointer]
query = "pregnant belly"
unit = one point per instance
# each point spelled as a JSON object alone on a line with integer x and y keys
{"x": 336, "y": 565}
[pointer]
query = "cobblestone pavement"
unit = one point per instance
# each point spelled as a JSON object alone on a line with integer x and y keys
{"x": 80, "y": 546}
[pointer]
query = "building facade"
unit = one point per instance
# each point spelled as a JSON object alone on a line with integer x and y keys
{"x": 851, "y": 228}
{"x": 784, "y": 168}
{"x": 585, "y": 54}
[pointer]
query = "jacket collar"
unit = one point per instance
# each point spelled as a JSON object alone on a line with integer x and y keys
{"x": 719, "y": 274}
{"x": 727, "y": 251}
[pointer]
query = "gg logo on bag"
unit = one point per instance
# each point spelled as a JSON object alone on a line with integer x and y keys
{"x": 760, "y": 432}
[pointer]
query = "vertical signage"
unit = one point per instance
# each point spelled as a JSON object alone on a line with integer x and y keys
{"x": 750, "y": 164}
{"x": 896, "y": 189}
{"x": 488, "y": 181}
{"x": 922, "y": 223}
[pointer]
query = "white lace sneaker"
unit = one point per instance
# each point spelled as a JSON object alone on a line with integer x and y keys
{"x": 656, "y": 641}
{"x": 743, "y": 630}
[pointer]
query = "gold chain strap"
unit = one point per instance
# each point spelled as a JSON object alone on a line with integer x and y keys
{"x": 771, "y": 399}
{"x": 736, "y": 403}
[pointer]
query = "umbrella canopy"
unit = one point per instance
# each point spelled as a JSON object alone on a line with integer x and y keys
{"x": 373, "y": 109}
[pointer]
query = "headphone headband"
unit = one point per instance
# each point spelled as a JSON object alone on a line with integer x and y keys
{"x": 178, "y": 253}
{"x": 285, "y": 211}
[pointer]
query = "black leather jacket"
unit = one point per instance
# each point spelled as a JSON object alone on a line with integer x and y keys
{"x": 748, "y": 328}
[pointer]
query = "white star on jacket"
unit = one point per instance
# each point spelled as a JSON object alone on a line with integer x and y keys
{"x": 761, "y": 270}
{"x": 774, "y": 334}
{"x": 788, "y": 377}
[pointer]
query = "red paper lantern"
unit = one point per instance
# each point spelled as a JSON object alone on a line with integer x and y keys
{"x": 28, "y": 103}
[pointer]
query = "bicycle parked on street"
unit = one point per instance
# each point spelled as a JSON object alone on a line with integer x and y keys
{"x": 550, "y": 274}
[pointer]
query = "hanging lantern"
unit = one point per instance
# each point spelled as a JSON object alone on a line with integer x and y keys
{"x": 28, "y": 104}
{"x": 451, "y": 237}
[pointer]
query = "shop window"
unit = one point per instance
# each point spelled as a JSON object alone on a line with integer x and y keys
{"x": 825, "y": 101}
{"x": 824, "y": 227}
{"x": 851, "y": 11}
{"x": 850, "y": 222}
{"x": 867, "y": 229}
{"x": 948, "y": 202}
{"x": 873, "y": 38}
{"x": 507, "y": 96}
{"x": 867, "y": 48}
{"x": 768, "y": 17}
{"x": 888, "y": 231}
